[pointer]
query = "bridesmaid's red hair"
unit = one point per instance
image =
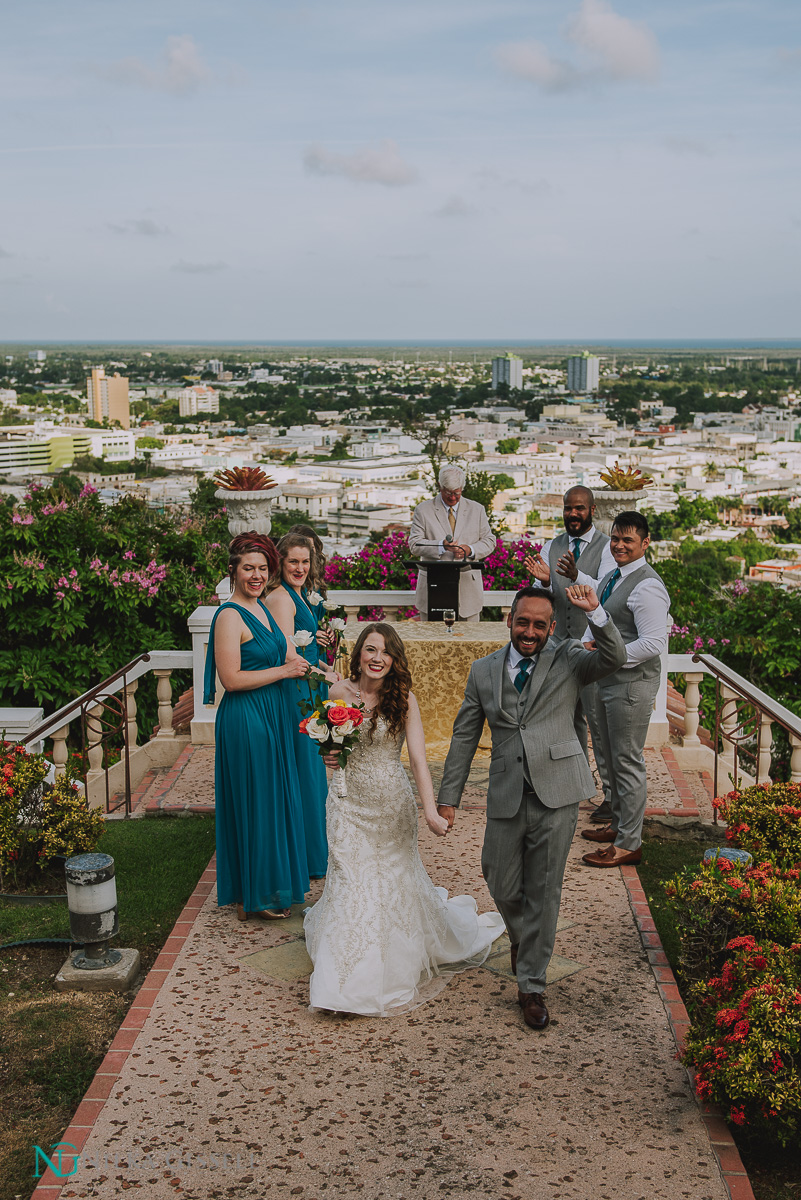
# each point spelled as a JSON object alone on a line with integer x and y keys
{"x": 251, "y": 543}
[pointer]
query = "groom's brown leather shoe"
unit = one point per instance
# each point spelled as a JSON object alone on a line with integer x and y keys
{"x": 535, "y": 1014}
{"x": 513, "y": 955}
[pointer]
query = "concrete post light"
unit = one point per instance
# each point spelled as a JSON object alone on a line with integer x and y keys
{"x": 92, "y": 903}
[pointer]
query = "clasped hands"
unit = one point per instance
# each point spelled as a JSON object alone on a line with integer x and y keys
{"x": 538, "y": 568}
{"x": 458, "y": 550}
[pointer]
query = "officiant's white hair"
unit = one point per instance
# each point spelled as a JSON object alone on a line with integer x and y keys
{"x": 452, "y": 477}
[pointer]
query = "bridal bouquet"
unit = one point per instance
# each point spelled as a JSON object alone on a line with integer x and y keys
{"x": 334, "y": 726}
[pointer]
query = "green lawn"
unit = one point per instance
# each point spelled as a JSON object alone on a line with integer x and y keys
{"x": 52, "y": 1043}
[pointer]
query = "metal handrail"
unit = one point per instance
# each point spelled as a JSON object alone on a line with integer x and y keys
{"x": 743, "y": 729}
{"x": 746, "y": 690}
{"x": 66, "y": 713}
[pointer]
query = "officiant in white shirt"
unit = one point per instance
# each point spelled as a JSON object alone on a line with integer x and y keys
{"x": 451, "y": 528}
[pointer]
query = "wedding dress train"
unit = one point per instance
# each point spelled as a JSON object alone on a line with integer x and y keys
{"x": 382, "y": 937}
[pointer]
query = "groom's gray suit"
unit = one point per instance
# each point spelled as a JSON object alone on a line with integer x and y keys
{"x": 537, "y": 776}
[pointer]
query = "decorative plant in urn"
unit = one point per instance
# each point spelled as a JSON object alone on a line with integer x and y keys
{"x": 248, "y": 495}
{"x": 622, "y": 491}
{"x": 630, "y": 480}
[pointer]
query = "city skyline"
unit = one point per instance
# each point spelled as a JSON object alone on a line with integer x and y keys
{"x": 513, "y": 171}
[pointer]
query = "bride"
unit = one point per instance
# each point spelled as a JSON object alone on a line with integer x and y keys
{"x": 382, "y": 938}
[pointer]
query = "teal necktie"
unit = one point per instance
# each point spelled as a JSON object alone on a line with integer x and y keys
{"x": 605, "y": 594}
{"x": 576, "y": 549}
{"x": 522, "y": 674}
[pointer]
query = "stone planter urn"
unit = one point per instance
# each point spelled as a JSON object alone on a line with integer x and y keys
{"x": 609, "y": 503}
{"x": 248, "y": 509}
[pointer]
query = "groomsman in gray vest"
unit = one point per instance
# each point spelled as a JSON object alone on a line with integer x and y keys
{"x": 638, "y": 603}
{"x": 579, "y": 555}
{"x": 527, "y": 693}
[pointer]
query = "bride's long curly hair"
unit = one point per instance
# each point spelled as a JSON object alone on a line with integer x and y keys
{"x": 393, "y": 697}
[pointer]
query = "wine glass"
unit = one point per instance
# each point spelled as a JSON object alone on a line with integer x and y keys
{"x": 449, "y": 616}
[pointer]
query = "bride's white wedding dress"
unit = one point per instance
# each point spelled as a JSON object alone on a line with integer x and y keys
{"x": 382, "y": 938}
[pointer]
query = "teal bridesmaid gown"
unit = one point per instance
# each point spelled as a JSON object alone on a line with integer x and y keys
{"x": 311, "y": 768}
{"x": 261, "y": 845}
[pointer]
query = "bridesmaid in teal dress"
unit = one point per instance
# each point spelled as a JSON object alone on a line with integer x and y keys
{"x": 288, "y": 601}
{"x": 261, "y": 842}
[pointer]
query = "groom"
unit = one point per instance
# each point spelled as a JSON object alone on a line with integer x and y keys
{"x": 527, "y": 692}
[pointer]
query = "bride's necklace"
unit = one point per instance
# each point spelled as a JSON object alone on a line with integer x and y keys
{"x": 369, "y": 707}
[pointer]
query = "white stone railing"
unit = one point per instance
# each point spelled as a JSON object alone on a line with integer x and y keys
{"x": 744, "y": 716}
{"x": 92, "y": 711}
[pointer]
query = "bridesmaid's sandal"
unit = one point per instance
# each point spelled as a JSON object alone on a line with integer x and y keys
{"x": 264, "y": 915}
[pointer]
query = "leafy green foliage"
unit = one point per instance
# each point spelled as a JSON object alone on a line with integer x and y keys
{"x": 87, "y": 587}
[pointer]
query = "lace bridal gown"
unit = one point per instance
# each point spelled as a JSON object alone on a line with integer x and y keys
{"x": 382, "y": 938}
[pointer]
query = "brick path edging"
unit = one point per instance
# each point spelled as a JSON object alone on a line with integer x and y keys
{"x": 83, "y": 1120}
{"x": 734, "y": 1173}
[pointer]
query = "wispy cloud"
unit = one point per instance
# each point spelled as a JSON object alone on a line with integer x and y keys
{"x": 376, "y": 164}
{"x": 143, "y": 227}
{"x": 198, "y": 268}
{"x": 5, "y": 253}
{"x": 455, "y": 206}
{"x": 791, "y": 58}
{"x": 689, "y": 146}
{"x": 617, "y": 49}
{"x": 179, "y": 70}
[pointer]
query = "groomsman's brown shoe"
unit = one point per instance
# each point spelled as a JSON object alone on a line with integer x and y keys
{"x": 513, "y": 955}
{"x": 607, "y": 834}
{"x": 535, "y": 1014}
{"x": 612, "y": 856}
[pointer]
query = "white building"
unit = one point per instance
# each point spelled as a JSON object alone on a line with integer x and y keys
{"x": 507, "y": 368}
{"x": 197, "y": 399}
{"x": 583, "y": 371}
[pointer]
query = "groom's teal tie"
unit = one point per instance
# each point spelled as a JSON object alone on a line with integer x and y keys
{"x": 576, "y": 549}
{"x": 522, "y": 674}
{"x": 605, "y": 594}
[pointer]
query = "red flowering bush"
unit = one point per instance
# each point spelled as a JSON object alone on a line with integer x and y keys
{"x": 766, "y": 820}
{"x": 745, "y": 1040}
{"x": 720, "y": 899}
{"x": 379, "y": 566}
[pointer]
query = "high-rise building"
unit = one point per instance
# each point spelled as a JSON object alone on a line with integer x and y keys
{"x": 37, "y": 355}
{"x": 215, "y": 366}
{"x": 583, "y": 373}
{"x": 198, "y": 399}
{"x": 507, "y": 368}
{"x": 108, "y": 397}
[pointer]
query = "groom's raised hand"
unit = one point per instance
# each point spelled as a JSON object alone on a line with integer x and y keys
{"x": 582, "y": 596}
{"x": 448, "y": 812}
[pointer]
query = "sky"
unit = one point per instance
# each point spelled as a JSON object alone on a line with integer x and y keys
{"x": 426, "y": 169}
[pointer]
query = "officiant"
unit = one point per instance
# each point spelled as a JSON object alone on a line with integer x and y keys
{"x": 451, "y": 528}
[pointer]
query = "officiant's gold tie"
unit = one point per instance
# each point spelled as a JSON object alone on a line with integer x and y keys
{"x": 452, "y": 520}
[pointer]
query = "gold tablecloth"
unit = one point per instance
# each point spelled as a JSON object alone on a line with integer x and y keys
{"x": 440, "y": 664}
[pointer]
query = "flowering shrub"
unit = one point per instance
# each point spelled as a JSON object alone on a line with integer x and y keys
{"x": 720, "y": 899}
{"x": 380, "y": 566}
{"x": 745, "y": 1040}
{"x": 88, "y": 586}
{"x": 39, "y": 820}
{"x": 766, "y": 820}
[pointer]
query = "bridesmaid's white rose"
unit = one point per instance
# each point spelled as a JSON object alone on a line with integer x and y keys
{"x": 317, "y": 730}
{"x": 330, "y": 605}
{"x": 314, "y": 598}
{"x": 302, "y": 638}
{"x": 337, "y": 624}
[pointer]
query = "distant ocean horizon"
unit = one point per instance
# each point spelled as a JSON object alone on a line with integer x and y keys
{"x": 741, "y": 344}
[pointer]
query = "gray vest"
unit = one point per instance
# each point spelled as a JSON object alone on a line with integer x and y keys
{"x": 616, "y": 605}
{"x": 514, "y": 702}
{"x": 570, "y": 621}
